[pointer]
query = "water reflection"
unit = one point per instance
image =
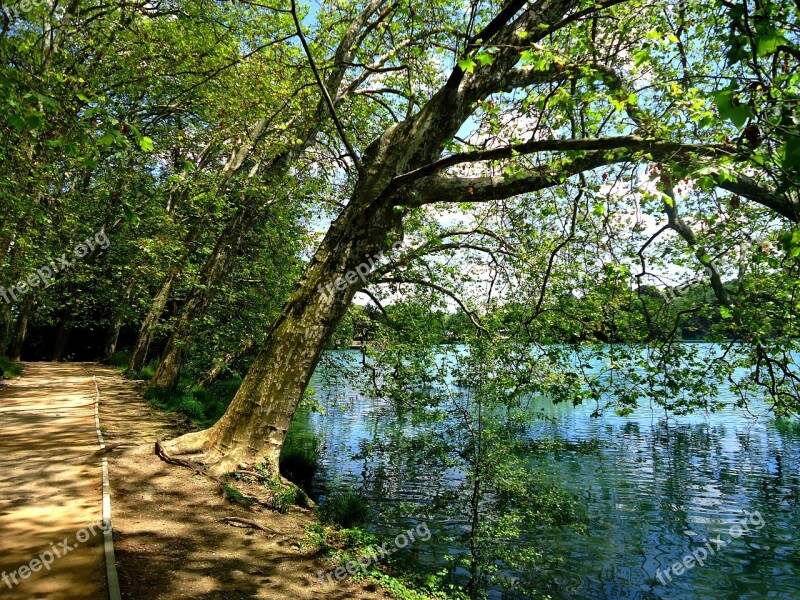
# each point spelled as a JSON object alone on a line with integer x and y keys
{"x": 654, "y": 491}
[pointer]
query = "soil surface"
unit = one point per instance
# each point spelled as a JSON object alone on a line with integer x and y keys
{"x": 50, "y": 486}
{"x": 170, "y": 536}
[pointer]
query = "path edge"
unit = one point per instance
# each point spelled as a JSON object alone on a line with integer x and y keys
{"x": 108, "y": 531}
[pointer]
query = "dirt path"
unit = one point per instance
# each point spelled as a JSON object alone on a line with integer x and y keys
{"x": 50, "y": 486}
{"x": 169, "y": 536}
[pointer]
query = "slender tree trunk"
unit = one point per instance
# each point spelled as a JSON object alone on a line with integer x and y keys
{"x": 213, "y": 374}
{"x": 115, "y": 324}
{"x": 21, "y": 328}
{"x": 62, "y": 336}
{"x": 5, "y": 326}
{"x": 139, "y": 355}
{"x": 216, "y": 267}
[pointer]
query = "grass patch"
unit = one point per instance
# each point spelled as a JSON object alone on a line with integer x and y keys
{"x": 236, "y": 497}
{"x": 9, "y": 369}
{"x": 199, "y": 406}
{"x": 345, "y": 508}
{"x": 119, "y": 360}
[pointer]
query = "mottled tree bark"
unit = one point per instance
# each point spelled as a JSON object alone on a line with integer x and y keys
{"x": 150, "y": 322}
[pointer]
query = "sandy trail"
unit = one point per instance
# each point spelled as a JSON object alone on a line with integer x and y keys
{"x": 170, "y": 539}
{"x": 50, "y": 486}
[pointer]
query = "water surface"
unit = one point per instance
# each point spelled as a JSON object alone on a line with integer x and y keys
{"x": 656, "y": 490}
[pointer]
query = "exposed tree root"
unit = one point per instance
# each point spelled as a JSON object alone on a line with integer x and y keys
{"x": 164, "y": 455}
{"x": 238, "y": 522}
{"x": 219, "y": 470}
{"x": 189, "y": 443}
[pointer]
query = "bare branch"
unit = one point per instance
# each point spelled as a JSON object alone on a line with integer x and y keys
{"x": 443, "y": 290}
{"x": 328, "y": 100}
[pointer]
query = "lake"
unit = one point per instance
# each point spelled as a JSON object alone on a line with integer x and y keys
{"x": 656, "y": 491}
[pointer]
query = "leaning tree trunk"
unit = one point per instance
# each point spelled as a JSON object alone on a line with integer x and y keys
{"x": 151, "y": 320}
{"x": 21, "y": 328}
{"x": 255, "y": 425}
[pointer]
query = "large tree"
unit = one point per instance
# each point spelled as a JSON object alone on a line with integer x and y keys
{"x": 594, "y": 86}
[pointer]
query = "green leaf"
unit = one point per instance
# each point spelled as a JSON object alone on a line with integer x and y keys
{"x": 769, "y": 43}
{"x": 34, "y": 121}
{"x": 129, "y": 215}
{"x": 17, "y": 122}
{"x": 467, "y": 64}
{"x": 641, "y": 56}
{"x": 725, "y": 312}
{"x": 107, "y": 139}
{"x": 791, "y": 153}
{"x": 730, "y": 108}
{"x": 146, "y": 144}
{"x": 485, "y": 59}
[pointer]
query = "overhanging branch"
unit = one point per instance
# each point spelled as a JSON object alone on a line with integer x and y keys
{"x": 629, "y": 142}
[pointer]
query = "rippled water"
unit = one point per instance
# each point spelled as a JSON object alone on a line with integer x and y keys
{"x": 655, "y": 492}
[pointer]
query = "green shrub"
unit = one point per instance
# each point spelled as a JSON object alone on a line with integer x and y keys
{"x": 192, "y": 409}
{"x": 149, "y": 370}
{"x": 119, "y": 360}
{"x": 202, "y": 407}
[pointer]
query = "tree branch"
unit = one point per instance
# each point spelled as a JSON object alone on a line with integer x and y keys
{"x": 328, "y": 100}
{"x": 472, "y": 317}
{"x": 629, "y": 142}
{"x": 749, "y": 188}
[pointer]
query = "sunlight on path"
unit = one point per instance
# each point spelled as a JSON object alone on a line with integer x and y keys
{"x": 50, "y": 485}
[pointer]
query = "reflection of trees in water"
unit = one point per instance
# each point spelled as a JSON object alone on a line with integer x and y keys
{"x": 652, "y": 491}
